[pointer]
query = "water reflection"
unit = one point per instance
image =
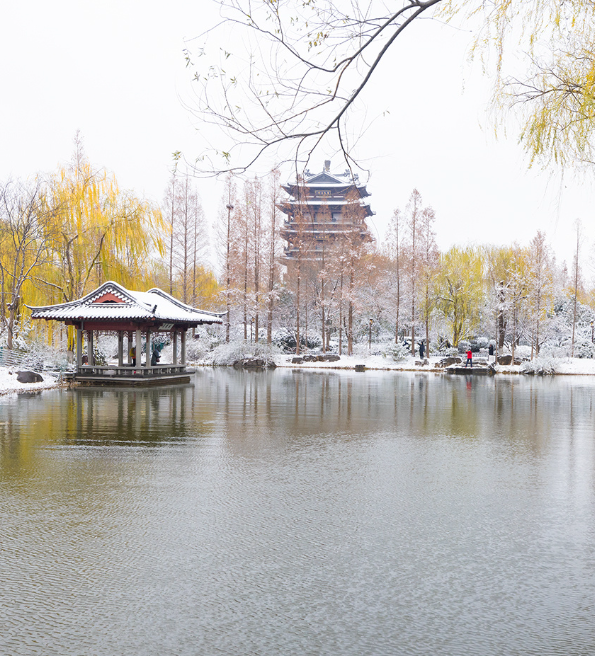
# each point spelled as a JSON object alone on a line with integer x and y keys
{"x": 295, "y": 512}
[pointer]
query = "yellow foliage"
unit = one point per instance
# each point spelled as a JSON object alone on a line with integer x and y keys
{"x": 556, "y": 95}
{"x": 459, "y": 290}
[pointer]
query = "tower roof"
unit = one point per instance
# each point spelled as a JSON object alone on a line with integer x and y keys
{"x": 342, "y": 182}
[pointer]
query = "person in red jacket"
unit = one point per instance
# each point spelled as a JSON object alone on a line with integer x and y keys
{"x": 469, "y": 359}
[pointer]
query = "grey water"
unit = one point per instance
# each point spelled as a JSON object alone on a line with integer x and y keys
{"x": 294, "y": 512}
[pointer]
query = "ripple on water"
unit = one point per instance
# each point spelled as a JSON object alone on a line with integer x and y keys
{"x": 334, "y": 514}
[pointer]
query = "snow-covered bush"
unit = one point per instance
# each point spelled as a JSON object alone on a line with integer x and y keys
{"x": 522, "y": 351}
{"x": 18, "y": 341}
{"x": 479, "y": 343}
{"x": 196, "y": 350}
{"x": 584, "y": 348}
{"x": 285, "y": 340}
{"x": 227, "y": 354}
{"x": 541, "y": 366}
{"x": 398, "y": 352}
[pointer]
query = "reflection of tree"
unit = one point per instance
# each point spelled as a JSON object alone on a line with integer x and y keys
{"x": 250, "y": 413}
{"x": 95, "y": 417}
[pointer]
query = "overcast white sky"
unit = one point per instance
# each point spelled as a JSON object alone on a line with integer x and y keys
{"x": 115, "y": 70}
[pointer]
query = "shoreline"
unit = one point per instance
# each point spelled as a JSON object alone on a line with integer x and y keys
{"x": 588, "y": 366}
{"x": 581, "y": 367}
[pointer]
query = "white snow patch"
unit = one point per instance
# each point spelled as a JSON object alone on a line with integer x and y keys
{"x": 370, "y": 361}
{"x": 575, "y": 366}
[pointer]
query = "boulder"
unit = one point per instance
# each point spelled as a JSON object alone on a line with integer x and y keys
{"x": 505, "y": 359}
{"x": 297, "y": 360}
{"x": 29, "y": 377}
{"x": 310, "y": 358}
{"x": 360, "y": 367}
{"x": 330, "y": 357}
{"x": 447, "y": 362}
{"x": 271, "y": 365}
{"x": 254, "y": 363}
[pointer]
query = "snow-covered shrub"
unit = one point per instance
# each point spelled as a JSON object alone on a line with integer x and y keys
{"x": 435, "y": 348}
{"x": 39, "y": 356}
{"x": 479, "y": 343}
{"x": 285, "y": 340}
{"x": 464, "y": 345}
{"x": 398, "y": 352}
{"x": 227, "y": 354}
{"x": 196, "y": 350}
{"x": 584, "y": 348}
{"x": 522, "y": 351}
{"x": 18, "y": 341}
{"x": 555, "y": 351}
{"x": 541, "y": 366}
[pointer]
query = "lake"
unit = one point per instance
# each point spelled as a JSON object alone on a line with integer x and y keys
{"x": 294, "y": 512}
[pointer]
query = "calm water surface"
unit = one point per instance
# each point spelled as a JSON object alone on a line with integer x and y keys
{"x": 300, "y": 513}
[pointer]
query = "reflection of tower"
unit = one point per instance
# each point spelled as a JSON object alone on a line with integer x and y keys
{"x": 321, "y": 209}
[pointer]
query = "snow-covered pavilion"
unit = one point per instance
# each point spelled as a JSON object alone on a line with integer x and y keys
{"x": 112, "y": 308}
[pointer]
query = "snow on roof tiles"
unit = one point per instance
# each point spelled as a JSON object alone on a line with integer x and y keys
{"x": 154, "y": 304}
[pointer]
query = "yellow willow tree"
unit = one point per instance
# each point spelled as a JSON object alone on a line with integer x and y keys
{"x": 459, "y": 290}
{"x": 550, "y": 45}
{"x": 100, "y": 233}
{"x": 26, "y": 221}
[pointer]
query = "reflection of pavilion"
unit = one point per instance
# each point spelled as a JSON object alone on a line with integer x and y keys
{"x": 112, "y": 308}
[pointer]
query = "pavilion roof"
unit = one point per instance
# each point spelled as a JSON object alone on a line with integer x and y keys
{"x": 112, "y": 302}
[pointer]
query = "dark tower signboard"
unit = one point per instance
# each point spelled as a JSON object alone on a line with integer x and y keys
{"x": 322, "y": 210}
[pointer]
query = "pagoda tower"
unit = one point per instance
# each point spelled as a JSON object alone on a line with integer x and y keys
{"x": 322, "y": 209}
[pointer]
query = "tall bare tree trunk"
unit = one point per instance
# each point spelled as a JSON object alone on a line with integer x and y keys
{"x": 171, "y": 237}
{"x": 576, "y": 277}
{"x": 306, "y": 321}
{"x": 341, "y": 315}
{"x": 245, "y": 297}
{"x": 228, "y": 265}
{"x": 297, "y": 300}
{"x": 427, "y": 321}
{"x": 501, "y": 326}
{"x": 271, "y": 272}
{"x": 514, "y": 312}
{"x": 350, "y": 312}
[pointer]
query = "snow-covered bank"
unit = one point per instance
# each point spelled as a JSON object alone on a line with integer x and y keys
{"x": 564, "y": 366}
{"x": 10, "y": 385}
{"x": 377, "y": 362}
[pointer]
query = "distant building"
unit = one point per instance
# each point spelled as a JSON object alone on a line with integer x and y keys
{"x": 322, "y": 209}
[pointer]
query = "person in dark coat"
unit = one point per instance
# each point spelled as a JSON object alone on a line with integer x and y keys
{"x": 155, "y": 357}
{"x": 491, "y": 352}
{"x": 469, "y": 359}
{"x": 422, "y": 350}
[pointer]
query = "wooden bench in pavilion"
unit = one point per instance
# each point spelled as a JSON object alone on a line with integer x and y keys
{"x": 112, "y": 308}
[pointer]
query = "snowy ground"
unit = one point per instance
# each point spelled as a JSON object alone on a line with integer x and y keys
{"x": 9, "y": 383}
{"x": 349, "y": 362}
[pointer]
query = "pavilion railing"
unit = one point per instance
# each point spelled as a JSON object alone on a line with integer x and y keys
{"x": 131, "y": 371}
